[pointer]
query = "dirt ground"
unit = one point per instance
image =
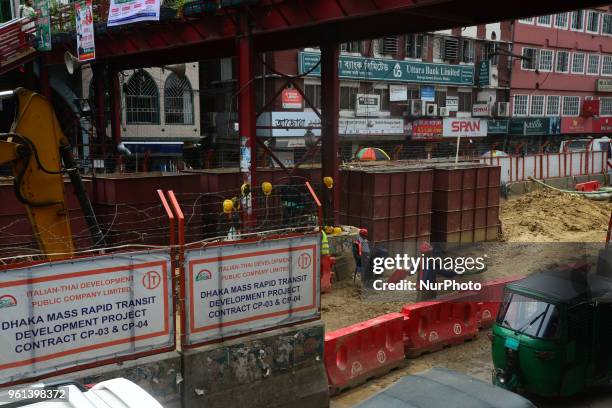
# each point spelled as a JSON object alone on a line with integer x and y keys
{"x": 539, "y": 230}
{"x": 544, "y": 216}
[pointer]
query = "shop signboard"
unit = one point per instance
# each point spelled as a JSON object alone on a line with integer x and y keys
{"x": 378, "y": 69}
{"x": 398, "y": 93}
{"x": 497, "y": 126}
{"x": 534, "y": 126}
{"x": 367, "y": 105}
{"x": 371, "y": 126}
{"x": 291, "y": 99}
{"x": 428, "y": 93}
{"x": 576, "y": 124}
{"x": 452, "y": 103}
{"x": 426, "y": 129}
{"x": 484, "y": 73}
{"x": 464, "y": 127}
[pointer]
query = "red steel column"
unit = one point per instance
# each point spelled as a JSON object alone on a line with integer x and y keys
{"x": 330, "y": 111}
{"x": 246, "y": 115}
{"x": 100, "y": 107}
{"x": 115, "y": 108}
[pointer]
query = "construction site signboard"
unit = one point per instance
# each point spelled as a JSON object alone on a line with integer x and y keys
{"x": 240, "y": 288}
{"x": 62, "y": 315}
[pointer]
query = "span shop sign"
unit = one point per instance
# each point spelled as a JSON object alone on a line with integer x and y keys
{"x": 391, "y": 70}
{"x": 244, "y": 287}
{"x": 464, "y": 127}
{"x": 66, "y": 314}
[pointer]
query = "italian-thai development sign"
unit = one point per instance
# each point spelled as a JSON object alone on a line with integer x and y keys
{"x": 130, "y": 11}
{"x": 244, "y": 287}
{"x": 378, "y": 69}
{"x": 66, "y": 314}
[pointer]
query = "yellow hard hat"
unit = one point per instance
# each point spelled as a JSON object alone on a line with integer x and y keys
{"x": 328, "y": 181}
{"x": 228, "y": 206}
{"x": 266, "y": 187}
{"x": 329, "y": 229}
{"x": 337, "y": 230}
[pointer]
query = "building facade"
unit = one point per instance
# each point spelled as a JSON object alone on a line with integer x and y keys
{"x": 561, "y": 81}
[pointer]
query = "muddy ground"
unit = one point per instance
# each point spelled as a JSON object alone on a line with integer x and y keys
{"x": 540, "y": 230}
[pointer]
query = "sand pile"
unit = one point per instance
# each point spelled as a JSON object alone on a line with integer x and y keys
{"x": 546, "y": 216}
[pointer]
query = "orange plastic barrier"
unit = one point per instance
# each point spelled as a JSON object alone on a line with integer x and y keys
{"x": 430, "y": 326}
{"x": 369, "y": 349}
{"x": 588, "y": 186}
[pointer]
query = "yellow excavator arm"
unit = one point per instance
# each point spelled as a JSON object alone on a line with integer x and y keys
{"x": 35, "y": 148}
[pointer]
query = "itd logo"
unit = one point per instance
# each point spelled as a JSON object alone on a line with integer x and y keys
{"x": 7, "y": 301}
{"x": 203, "y": 275}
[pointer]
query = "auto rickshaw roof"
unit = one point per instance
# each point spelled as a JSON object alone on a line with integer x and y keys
{"x": 566, "y": 286}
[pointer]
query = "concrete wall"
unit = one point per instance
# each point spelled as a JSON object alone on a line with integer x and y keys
{"x": 281, "y": 368}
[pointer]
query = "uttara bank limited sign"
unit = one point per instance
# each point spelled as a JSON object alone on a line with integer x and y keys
{"x": 379, "y": 69}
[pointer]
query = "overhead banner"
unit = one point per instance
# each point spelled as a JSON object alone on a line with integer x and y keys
{"x": 380, "y": 69}
{"x": 43, "y": 25}
{"x": 86, "y": 48}
{"x": 245, "y": 287}
{"x": 464, "y": 127}
{"x": 68, "y": 314}
{"x": 130, "y": 11}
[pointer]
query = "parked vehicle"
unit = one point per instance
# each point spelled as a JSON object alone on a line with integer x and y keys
{"x": 578, "y": 145}
{"x": 115, "y": 393}
{"x": 443, "y": 388}
{"x": 553, "y": 333}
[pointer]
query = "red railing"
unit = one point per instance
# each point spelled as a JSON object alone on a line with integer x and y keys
{"x": 17, "y": 39}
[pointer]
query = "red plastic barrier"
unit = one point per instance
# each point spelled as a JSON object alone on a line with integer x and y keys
{"x": 369, "y": 349}
{"x": 587, "y": 186}
{"x": 430, "y": 326}
{"x": 490, "y": 297}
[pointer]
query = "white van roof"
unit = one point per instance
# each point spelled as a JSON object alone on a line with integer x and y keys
{"x": 115, "y": 393}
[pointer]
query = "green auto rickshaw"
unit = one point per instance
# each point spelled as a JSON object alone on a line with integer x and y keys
{"x": 553, "y": 333}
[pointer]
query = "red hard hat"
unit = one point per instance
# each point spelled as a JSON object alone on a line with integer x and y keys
{"x": 363, "y": 232}
{"x": 425, "y": 247}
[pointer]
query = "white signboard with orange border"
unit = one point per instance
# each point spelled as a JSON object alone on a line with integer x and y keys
{"x": 244, "y": 287}
{"x": 62, "y": 315}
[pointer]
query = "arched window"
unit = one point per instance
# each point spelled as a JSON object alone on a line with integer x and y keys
{"x": 178, "y": 101}
{"x": 142, "y": 99}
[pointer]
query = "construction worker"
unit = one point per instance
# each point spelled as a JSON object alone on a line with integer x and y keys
{"x": 324, "y": 243}
{"x": 361, "y": 253}
{"x": 228, "y": 224}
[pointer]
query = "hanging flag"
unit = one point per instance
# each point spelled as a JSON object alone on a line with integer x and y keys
{"x": 43, "y": 25}
{"x": 130, "y": 11}
{"x": 86, "y": 47}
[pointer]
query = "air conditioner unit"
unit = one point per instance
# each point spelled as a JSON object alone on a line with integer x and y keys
{"x": 502, "y": 109}
{"x": 444, "y": 111}
{"x": 417, "y": 108}
{"x": 431, "y": 109}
